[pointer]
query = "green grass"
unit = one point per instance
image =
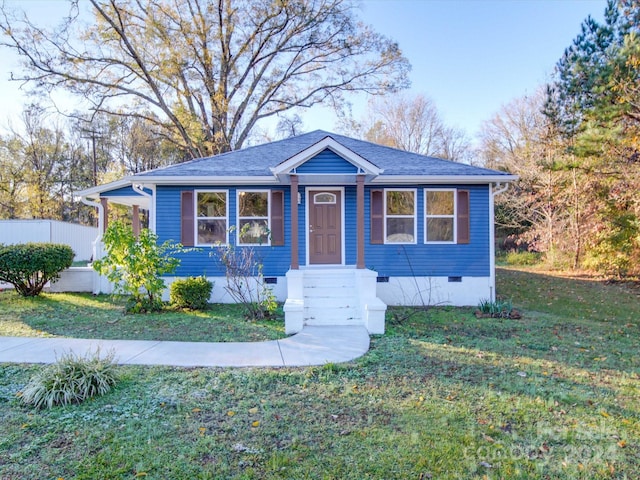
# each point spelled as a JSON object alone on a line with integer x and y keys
{"x": 88, "y": 316}
{"x": 443, "y": 395}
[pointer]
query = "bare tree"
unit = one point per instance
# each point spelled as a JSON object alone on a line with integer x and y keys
{"x": 409, "y": 123}
{"x": 211, "y": 69}
{"x": 545, "y": 207}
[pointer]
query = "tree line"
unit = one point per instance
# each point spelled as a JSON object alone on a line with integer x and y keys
{"x": 167, "y": 81}
{"x": 576, "y": 146}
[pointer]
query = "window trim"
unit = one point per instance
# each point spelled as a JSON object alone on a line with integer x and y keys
{"x": 268, "y": 217}
{"x": 415, "y": 215}
{"x": 454, "y": 217}
{"x": 197, "y": 218}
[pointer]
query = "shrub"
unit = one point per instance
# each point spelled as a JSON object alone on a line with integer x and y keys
{"x": 28, "y": 267}
{"x": 523, "y": 259}
{"x": 135, "y": 265}
{"x": 71, "y": 379}
{"x": 245, "y": 281}
{"x": 192, "y": 292}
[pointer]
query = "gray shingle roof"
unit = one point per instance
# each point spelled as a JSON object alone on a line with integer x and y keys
{"x": 257, "y": 160}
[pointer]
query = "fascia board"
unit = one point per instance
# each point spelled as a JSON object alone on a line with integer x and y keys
{"x": 205, "y": 180}
{"x": 440, "y": 179}
{"x": 98, "y": 189}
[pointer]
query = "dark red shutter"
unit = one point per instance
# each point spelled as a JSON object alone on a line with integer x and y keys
{"x": 377, "y": 216}
{"x": 277, "y": 217}
{"x": 464, "y": 235}
{"x": 187, "y": 219}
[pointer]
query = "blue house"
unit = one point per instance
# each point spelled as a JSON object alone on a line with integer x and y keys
{"x": 343, "y": 227}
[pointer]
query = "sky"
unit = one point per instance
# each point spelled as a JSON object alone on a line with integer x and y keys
{"x": 469, "y": 56}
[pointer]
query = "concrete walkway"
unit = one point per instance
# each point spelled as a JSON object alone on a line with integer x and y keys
{"x": 312, "y": 346}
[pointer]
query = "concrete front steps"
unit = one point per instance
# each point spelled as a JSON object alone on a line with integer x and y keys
{"x": 330, "y": 296}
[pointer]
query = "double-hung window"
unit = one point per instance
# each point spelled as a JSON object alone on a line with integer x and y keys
{"x": 400, "y": 216}
{"x": 253, "y": 217}
{"x": 440, "y": 213}
{"x": 212, "y": 213}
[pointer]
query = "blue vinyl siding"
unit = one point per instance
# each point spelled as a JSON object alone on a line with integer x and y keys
{"x": 327, "y": 162}
{"x": 466, "y": 260}
{"x": 201, "y": 260}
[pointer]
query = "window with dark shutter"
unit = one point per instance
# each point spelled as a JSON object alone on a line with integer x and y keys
{"x": 277, "y": 217}
{"x": 377, "y": 217}
{"x": 464, "y": 235}
{"x": 187, "y": 219}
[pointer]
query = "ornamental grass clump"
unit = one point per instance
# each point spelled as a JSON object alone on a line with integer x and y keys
{"x": 72, "y": 379}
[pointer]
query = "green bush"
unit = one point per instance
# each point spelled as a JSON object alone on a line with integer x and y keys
{"x": 523, "y": 259}
{"x": 28, "y": 267}
{"x": 135, "y": 265}
{"x": 71, "y": 379}
{"x": 192, "y": 292}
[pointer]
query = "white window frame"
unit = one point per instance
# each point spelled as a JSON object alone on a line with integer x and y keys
{"x": 197, "y": 218}
{"x": 414, "y": 216}
{"x": 454, "y": 216}
{"x": 268, "y": 217}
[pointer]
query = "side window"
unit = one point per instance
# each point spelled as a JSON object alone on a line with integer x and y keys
{"x": 400, "y": 216}
{"x": 440, "y": 213}
{"x": 211, "y": 217}
{"x": 253, "y": 217}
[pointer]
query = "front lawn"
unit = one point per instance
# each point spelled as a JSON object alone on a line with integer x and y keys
{"x": 443, "y": 395}
{"x": 87, "y": 316}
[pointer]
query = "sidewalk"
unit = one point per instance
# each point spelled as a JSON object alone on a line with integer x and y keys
{"x": 312, "y": 346}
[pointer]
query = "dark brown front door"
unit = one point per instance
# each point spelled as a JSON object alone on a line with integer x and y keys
{"x": 325, "y": 227}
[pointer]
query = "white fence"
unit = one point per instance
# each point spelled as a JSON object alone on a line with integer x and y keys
{"x": 78, "y": 237}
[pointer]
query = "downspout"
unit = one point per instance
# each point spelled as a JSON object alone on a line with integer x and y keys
{"x": 97, "y": 281}
{"x": 497, "y": 189}
{"x": 152, "y": 207}
{"x": 97, "y": 205}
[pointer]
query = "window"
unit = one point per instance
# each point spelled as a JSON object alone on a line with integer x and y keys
{"x": 400, "y": 218}
{"x": 253, "y": 217}
{"x": 440, "y": 212}
{"x": 211, "y": 217}
{"x": 324, "y": 198}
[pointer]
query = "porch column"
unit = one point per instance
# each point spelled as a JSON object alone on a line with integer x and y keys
{"x": 105, "y": 214}
{"x": 135, "y": 221}
{"x": 294, "y": 222}
{"x": 360, "y": 221}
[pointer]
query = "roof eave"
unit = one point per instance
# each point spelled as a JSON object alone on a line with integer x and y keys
{"x": 98, "y": 189}
{"x": 444, "y": 179}
{"x": 206, "y": 180}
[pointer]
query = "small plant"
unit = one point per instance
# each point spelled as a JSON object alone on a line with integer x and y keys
{"x": 245, "y": 281}
{"x": 135, "y": 265}
{"x": 497, "y": 309}
{"x": 28, "y": 267}
{"x": 72, "y": 379}
{"x": 192, "y": 292}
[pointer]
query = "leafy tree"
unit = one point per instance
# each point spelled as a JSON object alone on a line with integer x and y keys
{"x": 213, "y": 69}
{"x": 135, "y": 265}
{"x": 12, "y": 180}
{"x": 595, "y": 102}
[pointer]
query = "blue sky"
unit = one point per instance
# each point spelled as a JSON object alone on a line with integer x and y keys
{"x": 469, "y": 56}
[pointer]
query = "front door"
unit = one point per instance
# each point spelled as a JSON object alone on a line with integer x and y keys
{"x": 325, "y": 227}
